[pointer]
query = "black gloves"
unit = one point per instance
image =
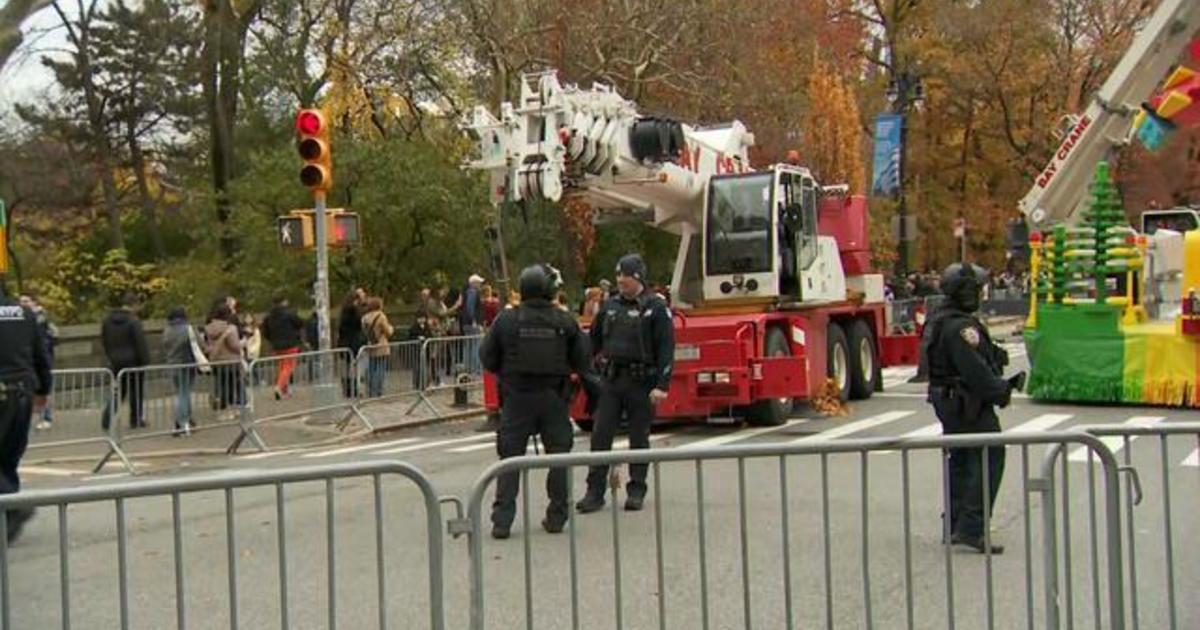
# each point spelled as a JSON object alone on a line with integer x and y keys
{"x": 1017, "y": 381}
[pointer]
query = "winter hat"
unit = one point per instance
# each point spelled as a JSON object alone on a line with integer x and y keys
{"x": 633, "y": 266}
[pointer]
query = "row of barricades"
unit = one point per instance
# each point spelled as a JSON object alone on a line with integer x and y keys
{"x": 835, "y": 533}
{"x": 136, "y": 404}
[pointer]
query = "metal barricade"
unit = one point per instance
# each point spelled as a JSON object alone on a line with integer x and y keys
{"x": 287, "y": 386}
{"x": 78, "y": 402}
{"x": 902, "y": 315}
{"x": 681, "y": 581}
{"x": 449, "y": 363}
{"x": 178, "y": 400}
{"x": 1154, "y": 576}
{"x": 392, "y": 370}
{"x": 260, "y": 553}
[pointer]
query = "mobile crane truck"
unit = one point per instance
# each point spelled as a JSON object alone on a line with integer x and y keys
{"x": 1114, "y": 313}
{"x": 773, "y": 293}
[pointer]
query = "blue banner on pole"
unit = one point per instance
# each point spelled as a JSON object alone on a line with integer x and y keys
{"x": 886, "y": 174}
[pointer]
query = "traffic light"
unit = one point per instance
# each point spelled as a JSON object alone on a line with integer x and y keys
{"x": 312, "y": 132}
{"x": 343, "y": 229}
{"x": 295, "y": 231}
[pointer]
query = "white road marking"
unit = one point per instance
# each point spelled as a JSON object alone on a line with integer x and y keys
{"x": 1041, "y": 423}
{"x": 266, "y": 454}
{"x": 50, "y": 472}
{"x": 618, "y": 444}
{"x": 898, "y": 375}
{"x": 1192, "y": 460}
{"x": 855, "y": 427}
{"x": 736, "y": 436}
{"x": 361, "y": 447}
{"x": 435, "y": 444}
{"x": 927, "y": 431}
{"x": 1115, "y": 442}
{"x": 106, "y": 476}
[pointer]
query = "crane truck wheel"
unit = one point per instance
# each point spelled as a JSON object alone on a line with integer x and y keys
{"x": 837, "y": 359}
{"x": 775, "y": 411}
{"x": 863, "y": 363}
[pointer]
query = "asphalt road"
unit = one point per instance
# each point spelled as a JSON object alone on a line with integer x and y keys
{"x": 825, "y": 498}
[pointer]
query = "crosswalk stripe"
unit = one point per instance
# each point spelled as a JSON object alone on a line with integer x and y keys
{"x": 1116, "y": 442}
{"x": 49, "y": 472}
{"x": 618, "y": 444}
{"x": 855, "y": 427}
{"x": 1041, "y": 423}
{"x": 929, "y": 430}
{"x": 361, "y": 447}
{"x": 735, "y": 436}
{"x": 1192, "y": 460}
{"x": 435, "y": 444}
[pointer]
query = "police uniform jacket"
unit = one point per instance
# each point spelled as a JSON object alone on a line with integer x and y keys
{"x": 637, "y": 331}
{"x": 535, "y": 346}
{"x": 23, "y": 358}
{"x": 965, "y": 362}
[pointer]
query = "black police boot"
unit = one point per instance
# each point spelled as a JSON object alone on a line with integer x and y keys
{"x": 16, "y": 522}
{"x": 554, "y": 524}
{"x": 976, "y": 543}
{"x": 591, "y": 502}
{"x": 501, "y": 532}
{"x": 633, "y": 502}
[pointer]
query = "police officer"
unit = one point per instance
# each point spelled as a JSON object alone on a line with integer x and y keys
{"x": 24, "y": 385}
{"x": 634, "y": 340}
{"x": 534, "y": 348}
{"x": 965, "y": 387}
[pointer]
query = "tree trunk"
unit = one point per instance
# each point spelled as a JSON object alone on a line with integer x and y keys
{"x": 149, "y": 206}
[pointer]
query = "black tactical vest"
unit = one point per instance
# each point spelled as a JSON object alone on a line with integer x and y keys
{"x": 624, "y": 341}
{"x": 537, "y": 345}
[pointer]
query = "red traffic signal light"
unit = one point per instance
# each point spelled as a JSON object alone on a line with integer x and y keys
{"x": 313, "y": 146}
{"x": 345, "y": 229}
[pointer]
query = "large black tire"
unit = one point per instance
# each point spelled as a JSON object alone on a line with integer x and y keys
{"x": 773, "y": 412}
{"x": 864, "y": 363}
{"x": 585, "y": 425}
{"x": 837, "y": 359}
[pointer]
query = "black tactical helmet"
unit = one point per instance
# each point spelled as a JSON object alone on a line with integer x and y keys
{"x": 633, "y": 266}
{"x": 963, "y": 284}
{"x": 539, "y": 281}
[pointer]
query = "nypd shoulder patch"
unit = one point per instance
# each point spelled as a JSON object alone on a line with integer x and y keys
{"x": 970, "y": 335}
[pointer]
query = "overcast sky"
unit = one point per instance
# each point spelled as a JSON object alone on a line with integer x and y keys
{"x": 24, "y": 77}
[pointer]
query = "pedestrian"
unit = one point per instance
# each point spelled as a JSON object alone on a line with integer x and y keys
{"x": 350, "y": 337}
{"x": 178, "y": 349}
{"x": 124, "y": 342}
{"x": 534, "y": 349}
{"x": 965, "y": 387}
{"x": 283, "y": 330}
{"x": 378, "y": 331}
{"x": 49, "y": 333}
{"x": 25, "y": 381}
{"x": 225, "y": 350}
{"x": 421, "y": 330}
{"x": 634, "y": 339}
{"x": 470, "y": 323}
{"x": 491, "y": 305}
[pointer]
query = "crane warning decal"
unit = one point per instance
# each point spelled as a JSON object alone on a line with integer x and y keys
{"x": 1064, "y": 151}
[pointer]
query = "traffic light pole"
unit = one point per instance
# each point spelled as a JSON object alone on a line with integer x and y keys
{"x": 321, "y": 288}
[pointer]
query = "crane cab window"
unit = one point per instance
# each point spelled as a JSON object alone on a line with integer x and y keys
{"x": 738, "y": 235}
{"x": 808, "y": 234}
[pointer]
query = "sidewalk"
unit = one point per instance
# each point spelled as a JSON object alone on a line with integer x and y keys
{"x": 300, "y": 431}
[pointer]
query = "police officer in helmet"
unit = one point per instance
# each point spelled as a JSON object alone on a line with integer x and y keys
{"x": 634, "y": 339}
{"x": 24, "y": 385}
{"x": 965, "y": 387}
{"x": 534, "y": 348}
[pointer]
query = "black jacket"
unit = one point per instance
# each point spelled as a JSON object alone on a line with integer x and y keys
{"x": 658, "y": 333}
{"x": 282, "y": 328}
{"x": 492, "y": 350}
{"x": 124, "y": 340}
{"x": 23, "y": 356}
{"x": 350, "y": 332}
{"x": 962, "y": 355}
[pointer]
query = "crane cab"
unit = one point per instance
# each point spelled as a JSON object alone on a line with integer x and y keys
{"x": 761, "y": 239}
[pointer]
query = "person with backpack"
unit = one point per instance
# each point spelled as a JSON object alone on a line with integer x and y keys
{"x": 378, "y": 330}
{"x": 180, "y": 346}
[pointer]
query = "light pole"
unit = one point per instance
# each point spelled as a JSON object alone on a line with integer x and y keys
{"x": 904, "y": 91}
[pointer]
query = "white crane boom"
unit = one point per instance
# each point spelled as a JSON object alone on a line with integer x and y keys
{"x": 1060, "y": 188}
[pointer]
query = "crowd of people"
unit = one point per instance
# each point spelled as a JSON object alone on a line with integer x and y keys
{"x": 1005, "y": 284}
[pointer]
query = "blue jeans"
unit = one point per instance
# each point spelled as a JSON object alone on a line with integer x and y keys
{"x": 376, "y": 371}
{"x": 183, "y": 401}
{"x": 471, "y": 361}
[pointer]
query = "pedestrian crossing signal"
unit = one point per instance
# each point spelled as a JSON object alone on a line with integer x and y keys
{"x": 344, "y": 229}
{"x": 295, "y": 231}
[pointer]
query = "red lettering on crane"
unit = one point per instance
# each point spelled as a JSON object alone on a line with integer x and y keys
{"x": 685, "y": 159}
{"x": 1064, "y": 151}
